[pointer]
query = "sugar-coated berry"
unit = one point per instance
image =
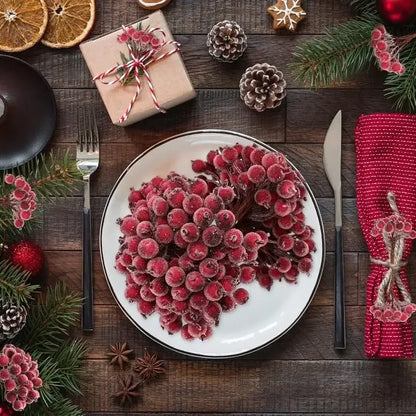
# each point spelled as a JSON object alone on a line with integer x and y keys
{"x": 213, "y": 291}
{"x": 256, "y": 156}
{"x": 142, "y": 214}
{"x": 179, "y": 306}
{"x": 252, "y": 241}
{"x": 146, "y": 294}
{"x": 132, "y": 292}
{"x": 229, "y": 154}
{"x": 256, "y": 174}
{"x": 185, "y": 333}
{"x": 175, "y": 197}
{"x": 163, "y": 234}
{"x": 176, "y": 218}
{"x": 285, "y": 242}
{"x": 209, "y": 267}
{"x": 243, "y": 181}
{"x": 189, "y": 232}
{"x": 212, "y": 312}
{"x": 292, "y": 274}
{"x": 248, "y": 274}
{"x": 305, "y": 265}
{"x": 286, "y": 189}
{"x": 185, "y": 262}
{"x": 237, "y": 255}
{"x": 194, "y": 281}
{"x": 175, "y": 276}
{"x": 286, "y": 223}
{"x": 214, "y": 203}
{"x": 275, "y": 173}
{"x": 198, "y": 301}
{"x": 160, "y": 206}
{"x": 241, "y": 296}
{"x": 179, "y": 241}
{"x": 219, "y": 163}
{"x": 198, "y": 187}
{"x": 175, "y": 326}
{"x": 282, "y": 208}
{"x": 197, "y": 251}
{"x": 283, "y": 264}
{"x": 301, "y": 248}
{"x": 226, "y": 193}
{"x": 199, "y": 166}
{"x": 139, "y": 263}
{"x": 275, "y": 274}
{"x": 203, "y": 217}
{"x": 144, "y": 229}
{"x": 233, "y": 238}
{"x": 157, "y": 267}
{"x": 180, "y": 293}
{"x": 148, "y": 248}
{"x": 145, "y": 308}
{"x": 225, "y": 219}
{"x": 158, "y": 287}
{"x": 227, "y": 303}
{"x": 128, "y": 225}
{"x": 212, "y": 236}
{"x": 191, "y": 203}
{"x": 265, "y": 281}
{"x": 263, "y": 197}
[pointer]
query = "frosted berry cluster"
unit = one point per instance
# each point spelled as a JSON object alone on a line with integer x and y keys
{"x": 21, "y": 200}
{"x": 395, "y": 226}
{"x": 189, "y": 245}
{"x": 394, "y": 312}
{"x": 20, "y": 377}
{"x": 386, "y": 51}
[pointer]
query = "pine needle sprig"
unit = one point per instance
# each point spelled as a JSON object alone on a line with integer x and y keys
{"x": 50, "y": 319}
{"x": 14, "y": 286}
{"x": 63, "y": 407}
{"x": 341, "y": 54}
{"x": 403, "y": 87}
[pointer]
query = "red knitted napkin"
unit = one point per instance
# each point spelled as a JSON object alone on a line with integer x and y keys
{"x": 386, "y": 162}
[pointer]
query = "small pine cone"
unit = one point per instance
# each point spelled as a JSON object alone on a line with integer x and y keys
{"x": 226, "y": 41}
{"x": 12, "y": 320}
{"x": 262, "y": 87}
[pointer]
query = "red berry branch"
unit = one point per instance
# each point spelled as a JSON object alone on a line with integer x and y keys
{"x": 189, "y": 244}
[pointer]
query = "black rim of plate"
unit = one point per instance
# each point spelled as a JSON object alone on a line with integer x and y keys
{"x": 54, "y": 107}
{"x": 196, "y": 355}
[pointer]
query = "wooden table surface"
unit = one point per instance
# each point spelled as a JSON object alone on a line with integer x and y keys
{"x": 300, "y": 373}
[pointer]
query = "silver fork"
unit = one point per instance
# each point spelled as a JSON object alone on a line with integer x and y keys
{"x": 88, "y": 157}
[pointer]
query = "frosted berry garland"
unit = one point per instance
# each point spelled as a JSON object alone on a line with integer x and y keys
{"x": 189, "y": 244}
{"x": 20, "y": 377}
{"x": 21, "y": 200}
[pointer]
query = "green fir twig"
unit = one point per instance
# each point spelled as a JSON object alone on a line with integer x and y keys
{"x": 341, "y": 54}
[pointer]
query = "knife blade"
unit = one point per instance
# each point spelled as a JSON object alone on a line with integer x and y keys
{"x": 332, "y": 165}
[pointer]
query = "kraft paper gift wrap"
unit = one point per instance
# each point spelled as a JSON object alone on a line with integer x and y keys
{"x": 169, "y": 77}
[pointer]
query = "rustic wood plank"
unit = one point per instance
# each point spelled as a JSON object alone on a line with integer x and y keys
{"x": 253, "y": 386}
{"x": 69, "y": 272}
{"x": 67, "y": 69}
{"x": 309, "y": 113}
{"x": 223, "y": 109}
{"x": 247, "y": 414}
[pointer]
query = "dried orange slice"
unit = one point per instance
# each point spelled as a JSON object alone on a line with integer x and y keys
{"x": 69, "y": 22}
{"x": 22, "y": 24}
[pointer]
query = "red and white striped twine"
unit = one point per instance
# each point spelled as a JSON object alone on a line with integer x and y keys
{"x": 135, "y": 64}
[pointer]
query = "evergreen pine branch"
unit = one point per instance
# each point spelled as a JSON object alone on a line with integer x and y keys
{"x": 403, "y": 87}
{"x": 14, "y": 286}
{"x": 341, "y": 54}
{"x": 62, "y": 407}
{"x": 49, "y": 320}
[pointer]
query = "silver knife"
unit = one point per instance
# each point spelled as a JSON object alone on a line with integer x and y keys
{"x": 332, "y": 164}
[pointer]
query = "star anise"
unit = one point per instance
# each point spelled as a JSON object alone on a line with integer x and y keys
{"x": 127, "y": 392}
{"x": 149, "y": 366}
{"x": 119, "y": 354}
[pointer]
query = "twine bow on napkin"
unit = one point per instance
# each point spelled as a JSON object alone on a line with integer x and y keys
{"x": 386, "y": 163}
{"x": 144, "y": 48}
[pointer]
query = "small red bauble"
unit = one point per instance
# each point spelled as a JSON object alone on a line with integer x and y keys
{"x": 28, "y": 256}
{"x": 397, "y": 11}
{"x": 6, "y": 410}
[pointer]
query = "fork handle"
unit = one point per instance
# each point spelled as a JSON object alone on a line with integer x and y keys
{"x": 87, "y": 281}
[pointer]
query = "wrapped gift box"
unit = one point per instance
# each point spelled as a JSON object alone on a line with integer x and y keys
{"x": 169, "y": 77}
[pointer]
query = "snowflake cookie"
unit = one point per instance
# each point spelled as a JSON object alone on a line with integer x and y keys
{"x": 287, "y": 14}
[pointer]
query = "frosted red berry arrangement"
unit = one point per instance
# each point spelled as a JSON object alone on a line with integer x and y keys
{"x": 189, "y": 245}
{"x": 20, "y": 377}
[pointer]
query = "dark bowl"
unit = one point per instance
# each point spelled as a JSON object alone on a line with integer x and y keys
{"x": 29, "y": 119}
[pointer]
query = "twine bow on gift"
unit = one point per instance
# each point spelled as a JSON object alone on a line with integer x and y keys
{"x": 393, "y": 303}
{"x": 144, "y": 47}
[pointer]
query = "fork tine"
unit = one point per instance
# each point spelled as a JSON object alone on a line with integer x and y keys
{"x": 96, "y": 139}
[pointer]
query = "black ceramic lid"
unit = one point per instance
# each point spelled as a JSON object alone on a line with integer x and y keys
{"x": 27, "y": 112}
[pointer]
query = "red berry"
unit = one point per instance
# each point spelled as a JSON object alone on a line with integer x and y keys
{"x": 213, "y": 291}
{"x": 197, "y": 251}
{"x": 238, "y": 255}
{"x": 132, "y": 243}
{"x": 269, "y": 159}
{"x": 180, "y": 293}
{"x": 198, "y": 187}
{"x": 292, "y": 274}
{"x": 198, "y": 301}
{"x": 227, "y": 303}
{"x": 283, "y": 264}
{"x": 212, "y": 236}
{"x": 139, "y": 263}
{"x": 285, "y": 242}
{"x": 175, "y": 197}
{"x": 175, "y": 276}
{"x": 125, "y": 259}
{"x": 301, "y": 248}
{"x": 179, "y": 241}
{"x": 282, "y": 208}
{"x": 212, "y": 312}
{"x": 157, "y": 267}
{"x": 256, "y": 156}
{"x": 241, "y": 296}
{"x": 146, "y": 294}
{"x": 160, "y": 206}
{"x": 179, "y": 306}
{"x": 176, "y": 218}
{"x": 225, "y": 219}
{"x": 233, "y": 238}
{"x": 286, "y": 189}
{"x": 158, "y": 287}
{"x": 265, "y": 281}
{"x": 219, "y": 163}
{"x": 229, "y": 154}
{"x": 243, "y": 180}
{"x": 275, "y": 274}
{"x": 191, "y": 203}
{"x": 275, "y": 173}
{"x": 132, "y": 292}
{"x": 185, "y": 333}
{"x": 192, "y": 316}
{"x": 139, "y": 278}
{"x": 256, "y": 174}
{"x": 214, "y": 203}
{"x": 226, "y": 193}
{"x": 186, "y": 262}
{"x": 305, "y": 265}
{"x": 203, "y": 217}
{"x": 163, "y": 234}
{"x": 194, "y": 281}
{"x": 252, "y": 241}
{"x": 174, "y": 327}
{"x": 210, "y": 156}
{"x": 142, "y": 214}
{"x": 128, "y": 225}
{"x": 148, "y": 248}
{"x": 263, "y": 197}
{"x": 198, "y": 166}
{"x": 164, "y": 302}
{"x": 209, "y": 267}
{"x": 248, "y": 274}
{"x": 145, "y": 308}
{"x": 189, "y": 232}
{"x": 286, "y": 223}
{"x": 144, "y": 229}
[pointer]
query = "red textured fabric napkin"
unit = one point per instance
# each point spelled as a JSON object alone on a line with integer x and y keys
{"x": 386, "y": 161}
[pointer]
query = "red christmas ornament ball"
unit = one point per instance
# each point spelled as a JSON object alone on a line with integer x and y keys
{"x": 28, "y": 256}
{"x": 397, "y": 11}
{"x": 6, "y": 410}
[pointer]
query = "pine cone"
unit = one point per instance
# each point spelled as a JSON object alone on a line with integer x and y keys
{"x": 12, "y": 320}
{"x": 226, "y": 41}
{"x": 262, "y": 87}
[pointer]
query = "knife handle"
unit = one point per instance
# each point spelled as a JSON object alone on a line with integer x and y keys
{"x": 340, "y": 336}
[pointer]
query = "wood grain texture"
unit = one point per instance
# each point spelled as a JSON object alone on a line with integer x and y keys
{"x": 300, "y": 373}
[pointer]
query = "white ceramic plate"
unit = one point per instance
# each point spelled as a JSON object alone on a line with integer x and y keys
{"x": 267, "y": 315}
